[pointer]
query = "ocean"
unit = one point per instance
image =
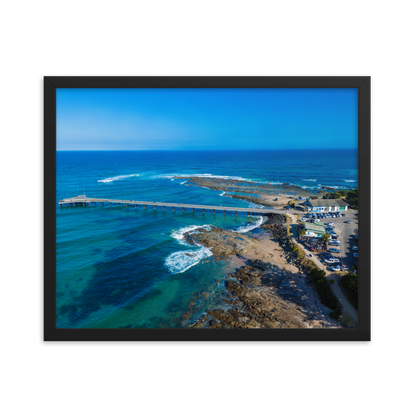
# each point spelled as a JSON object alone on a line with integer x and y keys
{"x": 130, "y": 268}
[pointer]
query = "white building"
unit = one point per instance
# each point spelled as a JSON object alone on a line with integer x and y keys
{"x": 326, "y": 205}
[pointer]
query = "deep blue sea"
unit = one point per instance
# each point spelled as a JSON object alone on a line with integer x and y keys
{"x": 119, "y": 267}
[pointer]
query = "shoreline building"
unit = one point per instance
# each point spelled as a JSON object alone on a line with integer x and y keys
{"x": 314, "y": 230}
{"x": 326, "y": 205}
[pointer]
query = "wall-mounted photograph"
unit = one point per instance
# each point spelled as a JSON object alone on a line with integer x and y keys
{"x": 207, "y": 208}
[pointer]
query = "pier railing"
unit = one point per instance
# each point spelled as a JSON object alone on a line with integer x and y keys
{"x": 83, "y": 200}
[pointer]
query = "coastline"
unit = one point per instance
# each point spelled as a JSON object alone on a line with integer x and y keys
{"x": 265, "y": 193}
{"x": 265, "y": 290}
{"x": 268, "y": 289}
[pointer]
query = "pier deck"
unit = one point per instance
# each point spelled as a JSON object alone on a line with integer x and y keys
{"x": 85, "y": 201}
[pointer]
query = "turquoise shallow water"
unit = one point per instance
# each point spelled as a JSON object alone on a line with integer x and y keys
{"x": 119, "y": 267}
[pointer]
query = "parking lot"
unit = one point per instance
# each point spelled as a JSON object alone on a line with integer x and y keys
{"x": 346, "y": 236}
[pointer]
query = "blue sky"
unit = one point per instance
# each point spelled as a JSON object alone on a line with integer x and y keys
{"x": 206, "y": 119}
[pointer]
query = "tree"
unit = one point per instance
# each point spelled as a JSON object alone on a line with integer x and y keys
{"x": 326, "y": 237}
{"x": 302, "y": 232}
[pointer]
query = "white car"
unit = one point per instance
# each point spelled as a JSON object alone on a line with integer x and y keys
{"x": 331, "y": 261}
{"x": 330, "y": 223}
{"x": 355, "y": 248}
{"x": 335, "y": 243}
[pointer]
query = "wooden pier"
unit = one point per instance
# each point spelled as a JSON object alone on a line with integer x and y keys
{"x": 83, "y": 200}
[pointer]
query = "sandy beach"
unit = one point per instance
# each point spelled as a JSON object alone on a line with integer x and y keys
{"x": 268, "y": 289}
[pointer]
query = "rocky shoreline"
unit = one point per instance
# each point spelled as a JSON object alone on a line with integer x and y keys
{"x": 222, "y": 243}
{"x": 259, "y": 294}
{"x": 263, "y": 296}
{"x": 265, "y": 191}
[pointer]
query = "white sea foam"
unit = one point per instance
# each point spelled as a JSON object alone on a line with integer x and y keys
{"x": 205, "y": 175}
{"x": 117, "y": 178}
{"x": 180, "y": 261}
{"x": 309, "y": 180}
{"x": 250, "y": 226}
{"x": 183, "y": 182}
{"x": 179, "y": 234}
{"x": 350, "y": 180}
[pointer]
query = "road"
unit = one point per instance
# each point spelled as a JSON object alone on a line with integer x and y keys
{"x": 346, "y": 233}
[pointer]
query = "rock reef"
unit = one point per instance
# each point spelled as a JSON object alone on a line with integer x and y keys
{"x": 261, "y": 294}
{"x": 248, "y": 187}
{"x": 223, "y": 243}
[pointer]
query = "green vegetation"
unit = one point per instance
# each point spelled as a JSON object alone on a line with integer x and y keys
{"x": 325, "y": 293}
{"x": 326, "y": 237}
{"x": 349, "y": 282}
{"x": 350, "y": 196}
{"x": 332, "y": 281}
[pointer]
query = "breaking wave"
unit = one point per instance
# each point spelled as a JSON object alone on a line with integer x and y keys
{"x": 180, "y": 261}
{"x": 117, "y": 178}
{"x": 179, "y": 234}
{"x": 350, "y": 180}
{"x": 309, "y": 180}
{"x": 250, "y": 226}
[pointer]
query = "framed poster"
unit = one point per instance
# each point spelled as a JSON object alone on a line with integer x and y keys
{"x": 207, "y": 208}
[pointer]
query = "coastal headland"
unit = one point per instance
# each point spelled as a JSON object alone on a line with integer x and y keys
{"x": 269, "y": 288}
{"x": 255, "y": 192}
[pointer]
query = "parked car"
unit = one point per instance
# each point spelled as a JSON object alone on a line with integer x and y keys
{"x": 348, "y": 221}
{"x": 336, "y": 268}
{"x": 331, "y": 223}
{"x": 355, "y": 255}
{"x": 331, "y": 261}
{"x": 355, "y": 248}
{"x": 334, "y": 250}
{"x": 334, "y": 243}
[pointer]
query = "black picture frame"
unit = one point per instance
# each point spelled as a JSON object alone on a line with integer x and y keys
{"x": 51, "y": 333}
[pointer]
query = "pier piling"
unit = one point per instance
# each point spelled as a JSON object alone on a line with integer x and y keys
{"x": 82, "y": 200}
